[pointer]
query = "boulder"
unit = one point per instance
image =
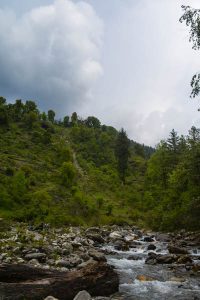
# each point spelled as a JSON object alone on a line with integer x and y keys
{"x": 41, "y": 257}
{"x": 83, "y": 295}
{"x": 177, "y": 250}
{"x": 144, "y": 278}
{"x": 97, "y": 255}
{"x": 115, "y": 235}
{"x": 148, "y": 239}
{"x": 151, "y": 247}
{"x": 95, "y": 237}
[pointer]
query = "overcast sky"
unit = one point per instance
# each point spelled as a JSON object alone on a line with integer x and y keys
{"x": 128, "y": 62}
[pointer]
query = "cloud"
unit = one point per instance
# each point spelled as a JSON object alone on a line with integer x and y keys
{"x": 148, "y": 64}
{"x": 51, "y": 54}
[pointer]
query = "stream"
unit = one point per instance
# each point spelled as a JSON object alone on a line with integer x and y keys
{"x": 141, "y": 281}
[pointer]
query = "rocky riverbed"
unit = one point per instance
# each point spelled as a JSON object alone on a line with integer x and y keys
{"x": 62, "y": 262}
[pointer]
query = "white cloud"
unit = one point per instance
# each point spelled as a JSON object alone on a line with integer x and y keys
{"x": 148, "y": 64}
{"x": 51, "y": 53}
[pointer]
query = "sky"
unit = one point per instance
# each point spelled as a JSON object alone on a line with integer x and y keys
{"x": 127, "y": 62}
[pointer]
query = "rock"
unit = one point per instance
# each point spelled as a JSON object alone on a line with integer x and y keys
{"x": 115, "y": 235}
{"x": 177, "y": 279}
{"x": 148, "y": 239}
{"x": 83, "y": 295}
{"x": 184, "y": 259}
{"x": 67, "y": 248}
{"x": 69, "y": 263}
{"x": 50, "y": 298}
{"x": 151, "y": 247}
{"x": 92, "y": 230}
{"x": 134, "y": 257}
{"x": 121, "y": 246}
{"x": 97, "y": 278}
{"x": 177, "y": 250}
{"x": 130, "y": 238}
{"x": 165, "y": 259}
{"x": 144, "y": 278}
{"x": 34, "y": 262}
{"x": 96, "y": 237}
{"x": 41, "y": 257}
{"x": 97, "y": 255}
{"x": 63, "y": 263}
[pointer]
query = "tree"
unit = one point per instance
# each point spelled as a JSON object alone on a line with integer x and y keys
{"x": 66, "y": 121}
{"x": 191, "y": 17}
{"x": 74, "y": 119}
{"x": 30, "y": 106}
{"x": 67, "y": 174}
{"x": 30, "y": 118}
{"x": 51, "y": 115}
{"x": 122, "y": 153}
{"x": 93, "y": 122}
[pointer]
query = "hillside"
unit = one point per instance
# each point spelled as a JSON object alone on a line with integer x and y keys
{"x": 76, "y": 171}
{"x": 63, "y": 172}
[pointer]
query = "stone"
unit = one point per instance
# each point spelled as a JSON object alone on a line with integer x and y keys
{"x": 83, "y": 295}
{"x": 144, "y": 278}
{"x": 115, "y": 235}
{"x": 67, "y": 248}
{"x": 50, "y": 298}
{"x": 121, "y": 246}
{"x": 97, "y": 255}
{"x": 34, "y": 262}
{"x": 165, "y": 259}
{"x": 41, "y": 257}
{"x": 148, "y": 239}
{"x": 96, "y": 237}
{"x": 184, "y": 259}
{"x": 151, "y": 247}
{"x": 177, "y": 250}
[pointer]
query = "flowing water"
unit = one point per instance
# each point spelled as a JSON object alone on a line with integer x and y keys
{"x": 164, "y": 282}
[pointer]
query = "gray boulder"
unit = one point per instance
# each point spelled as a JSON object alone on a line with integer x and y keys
{"x": 83, "y": 295}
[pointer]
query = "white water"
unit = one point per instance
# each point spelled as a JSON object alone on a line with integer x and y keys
{"x": 164, "y": 284}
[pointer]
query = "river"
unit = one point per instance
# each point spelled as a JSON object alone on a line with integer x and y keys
{"x": 141, "y": 281}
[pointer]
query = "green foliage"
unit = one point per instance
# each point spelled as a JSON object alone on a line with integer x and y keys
{"x": 67, "y": 174}
{"x": 51, "y": 115}
{"x": 122, "y": 153}
{"x": 191, "y": 17}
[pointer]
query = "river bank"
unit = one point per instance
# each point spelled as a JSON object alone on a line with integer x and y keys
{"x": 140, "y": 264}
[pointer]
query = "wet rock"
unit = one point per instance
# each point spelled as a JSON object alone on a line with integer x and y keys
{"x": 177, "y": 250}
{"x": 151, "y": 247}
{"x": 148, "y": 239}
{"x": 130, "y": 238}
{"x": 165, "y": 259}
{"x": 134, "y": 257}
{"x": 144, "y": 278}
{"x": 83, "y": 295}
{"x": 184, "y": 259}
{"x": 121, "y": 246}
{"x": 177, "y": 279}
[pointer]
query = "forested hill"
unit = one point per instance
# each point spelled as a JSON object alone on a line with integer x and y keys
{"x": 76, "y": 171}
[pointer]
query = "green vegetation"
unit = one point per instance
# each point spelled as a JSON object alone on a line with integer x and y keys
{"x": 78, "y": 171}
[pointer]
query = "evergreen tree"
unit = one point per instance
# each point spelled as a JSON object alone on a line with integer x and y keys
{"x": 51, "y": 115}
{"x": 122, "y": 153}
